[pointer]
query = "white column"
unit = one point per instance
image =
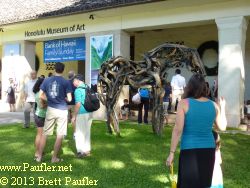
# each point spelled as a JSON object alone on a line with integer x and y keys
{"x": 232, "y": 37}
{"x": 17, "y": 62}
{"x": 121, "y": 47}
{"x": 87, "y": 60}
{"x": 28, "y": 50}
{"x": 121, "y": 44}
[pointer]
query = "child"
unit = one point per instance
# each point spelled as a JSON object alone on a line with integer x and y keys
{"x": 125, "y": 109}
{"x": 217, "y": 181}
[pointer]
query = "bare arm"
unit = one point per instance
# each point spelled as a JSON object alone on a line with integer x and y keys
{"x": 69, "y": 97}
{"x": 25, "y": 92}
{"x": 43, "y": 103}
{"x": 42, "y": 95}
{"x": 220, "y": 120}
{"x": 42, "y": 99}
{"x": 76, "y": 110}
{"x": 177, "y": 131}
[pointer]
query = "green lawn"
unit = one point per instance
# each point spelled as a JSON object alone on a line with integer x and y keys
{"x": 134, "y": 160}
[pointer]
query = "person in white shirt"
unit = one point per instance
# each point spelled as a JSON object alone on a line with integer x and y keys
{"x": 178, "y": 83}
{"x": 29, "y": 98}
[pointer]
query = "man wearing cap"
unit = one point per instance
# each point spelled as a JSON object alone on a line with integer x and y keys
{"x": 81, "y": 118}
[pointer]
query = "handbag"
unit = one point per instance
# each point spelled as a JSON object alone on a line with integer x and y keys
{"x": 136, "y": 98}
{"x": 172, "y": 177}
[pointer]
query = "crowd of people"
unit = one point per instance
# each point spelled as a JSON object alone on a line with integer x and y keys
{"x": 174, "y": 91}
{"x": 55, "y": 101}
{"x": 199, "y": 115}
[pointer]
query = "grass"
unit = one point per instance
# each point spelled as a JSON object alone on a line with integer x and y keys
{"x": 134, "y": 160}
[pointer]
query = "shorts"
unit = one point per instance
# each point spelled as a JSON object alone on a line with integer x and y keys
{"x": 58, "y": 117}
{"x": 39, "y": 121}
{"x": 165, "y": 108}
{"x": 124, "y": 112}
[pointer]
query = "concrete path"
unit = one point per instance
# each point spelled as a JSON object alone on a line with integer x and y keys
{"x": 18, "y": 117}
{"x": 12, "y": 117}
{"x": 236, "y": 132}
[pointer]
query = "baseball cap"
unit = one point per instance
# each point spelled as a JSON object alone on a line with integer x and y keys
{"x": 79, "y": 77}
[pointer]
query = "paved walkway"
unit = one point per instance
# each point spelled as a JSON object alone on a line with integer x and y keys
{"x": 18, "y": 117}
{"x": 12, "y": 117}
{"x": 236, "y": 132}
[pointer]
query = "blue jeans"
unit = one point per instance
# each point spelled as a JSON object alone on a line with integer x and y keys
{"x": 144, "y": 103}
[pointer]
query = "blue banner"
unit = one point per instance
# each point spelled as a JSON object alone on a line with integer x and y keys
{"x": 61, "y": 50}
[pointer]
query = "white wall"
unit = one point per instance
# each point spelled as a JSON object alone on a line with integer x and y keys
{"x": 18, "y": 67}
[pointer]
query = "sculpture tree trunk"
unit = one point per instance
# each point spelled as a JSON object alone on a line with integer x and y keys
{"x": 109, "y": 121}
{"x": 157, "y": 111}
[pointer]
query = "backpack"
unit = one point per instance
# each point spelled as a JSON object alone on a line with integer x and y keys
{"x": 144, "y": 93}
{"x": 10, "y": 91}
{"x": 91, "y": 102}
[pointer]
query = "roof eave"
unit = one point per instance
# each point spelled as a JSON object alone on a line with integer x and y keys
{"x": 76, "y": 12}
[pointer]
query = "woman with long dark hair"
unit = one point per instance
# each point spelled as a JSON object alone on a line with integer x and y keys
{"x": 196, "y": 115}
{"x": 40, "y": 114}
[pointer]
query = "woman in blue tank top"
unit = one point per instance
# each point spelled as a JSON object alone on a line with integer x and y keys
{"x": 195, "y": 117}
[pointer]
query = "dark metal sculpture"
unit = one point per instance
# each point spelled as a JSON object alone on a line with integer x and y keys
{"x": 152, "y": 70}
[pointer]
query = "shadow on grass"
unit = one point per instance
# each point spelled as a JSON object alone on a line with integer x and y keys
{"x": 134, "y": 160}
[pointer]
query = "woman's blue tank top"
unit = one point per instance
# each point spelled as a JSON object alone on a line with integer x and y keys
{"x": 199, "y": 119}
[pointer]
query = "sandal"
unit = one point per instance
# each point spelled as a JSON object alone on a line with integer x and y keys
{"x": 57, "y": 160}
{"x": 83, "y": 155}
{"x": 36, "y": 159}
